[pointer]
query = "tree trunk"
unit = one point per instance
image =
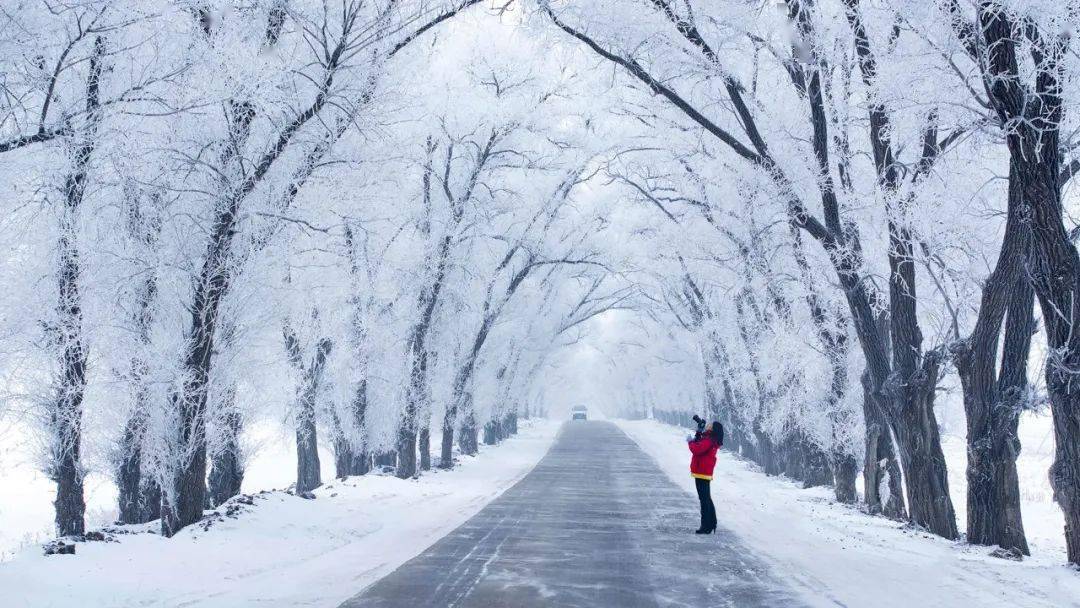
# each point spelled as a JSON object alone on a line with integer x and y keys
{"x": 993, "y": 402}
{"x": 1031, "y": 116}
{"x": 425, "y": 447}
{"x": 138, "y": 497}
{"x": 467, "y": 441}
{"x": 406, "y": 444}
{"x": 881, "y": 472}
{"x": 907, "y": 393}
{"x": 845, "y": 469}
{"x": 308, "y": 475}
{"x": 349, "y": 459}
{"x": 1055, "y": 270}
{"x": 226, "y": 464}
{"x": 765, "y": 451}
{"x": 386, "y": 459}
{"x": 816, "y": 470}
{"x": 308, "y": 472}
{"x": 921, "y": 457}
{"x": 66, "y": 417}
{"x": 446, "y": 453}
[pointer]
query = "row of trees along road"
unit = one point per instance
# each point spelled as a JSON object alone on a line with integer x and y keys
{"x": 381, "y": 221}
{"x": 842, "y": 153}
{"x": 222, "y": 214}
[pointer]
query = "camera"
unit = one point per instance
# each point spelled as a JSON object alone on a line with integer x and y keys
{"x": 700, "y": 423}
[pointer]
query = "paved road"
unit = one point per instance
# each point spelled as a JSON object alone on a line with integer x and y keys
{"x": 596, "y": 524}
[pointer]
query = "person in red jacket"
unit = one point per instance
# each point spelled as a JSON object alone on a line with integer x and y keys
{"x": 703, "y": 448}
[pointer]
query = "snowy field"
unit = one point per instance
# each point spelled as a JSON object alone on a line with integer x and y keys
{"x": 283, "y": 550}
{"x": 840, "y": 556}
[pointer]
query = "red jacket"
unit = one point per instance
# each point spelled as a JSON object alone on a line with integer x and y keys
{"x": 703, "y": 459}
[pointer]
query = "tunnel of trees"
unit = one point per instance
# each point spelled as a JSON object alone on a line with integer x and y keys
{"x": 382, "y": 220}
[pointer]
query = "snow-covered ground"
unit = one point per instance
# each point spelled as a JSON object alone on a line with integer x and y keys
{"x": 840, "y": 556}
{"x": 282, "y": 550}
{"x": 26, "y": 494}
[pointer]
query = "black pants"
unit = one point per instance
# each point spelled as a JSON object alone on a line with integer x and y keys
{"x": 708, "y": 511}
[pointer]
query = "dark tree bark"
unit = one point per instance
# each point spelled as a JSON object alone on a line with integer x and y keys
{"x": 1031, "y": 115}
{"x": 349, "y": 460}
{"x": 993, "y": 407}
{"x": 992, "y": 400}
{"x": 351, "y": 455}
{"x": 386, "y": 459}
{"x": 815, "y": 464}
{"x": 919, "y": 444}
{"x": 913, "y": 377}
{"x": 139, "y": 495}
{"x": 832, "y": 331}
{"x": 767, "y": 454}
{"x": 425, "y": 447}
{"x": 226, "y": 465}
{"x": 845, "y": 470}
{"x": 468, "y": 438}
{"x": 65, "y": 467}
{"x": 881, "y": 464}
{"x": 308, "y": 474}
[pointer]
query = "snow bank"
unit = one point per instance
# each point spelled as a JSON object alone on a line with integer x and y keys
{"x": 282, "y": 550}
{"x": 837, "y": 555}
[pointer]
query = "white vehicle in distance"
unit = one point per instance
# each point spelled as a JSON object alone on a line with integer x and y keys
{"x": 579, "y": 412}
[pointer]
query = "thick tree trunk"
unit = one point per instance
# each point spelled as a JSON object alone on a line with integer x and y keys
{"x": 446, "y": 452}
{"x": 349, "y": 459}
{"x": 881, "y": 473}
{"x": 139, "y": 497}
{"x": 791, "y": 457}
{"x": 308, "y": 476}
{"x": 1055, "y": 270}
{"x": 467, "y": 440}
{"x": 226, "y": 464}
{"x": 308, "y": 471}
{"x": 923, "y": 462}
{"x": 425, "y": 448}
{"x": 766, "y": 452}
{"x": 386, "y": 459}
{"x": 845, "y": 470}
{"x": 226, "y": 475}
{"x": 1031, "y": 116}
{"x": 406, "y": 445}
{"x": 993, "y": 401}
{"x": 66, "y": 417}
{"x": 182, "y": 504}
{"x": 815, "y": 470}
{"x": 415, "y": 402}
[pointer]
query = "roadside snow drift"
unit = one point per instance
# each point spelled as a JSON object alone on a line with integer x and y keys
{"x": 837, "y": 555}
{"x": 281, "y": 550}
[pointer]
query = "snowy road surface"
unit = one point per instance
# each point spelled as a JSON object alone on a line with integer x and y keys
{"x": 595, "y": 524}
